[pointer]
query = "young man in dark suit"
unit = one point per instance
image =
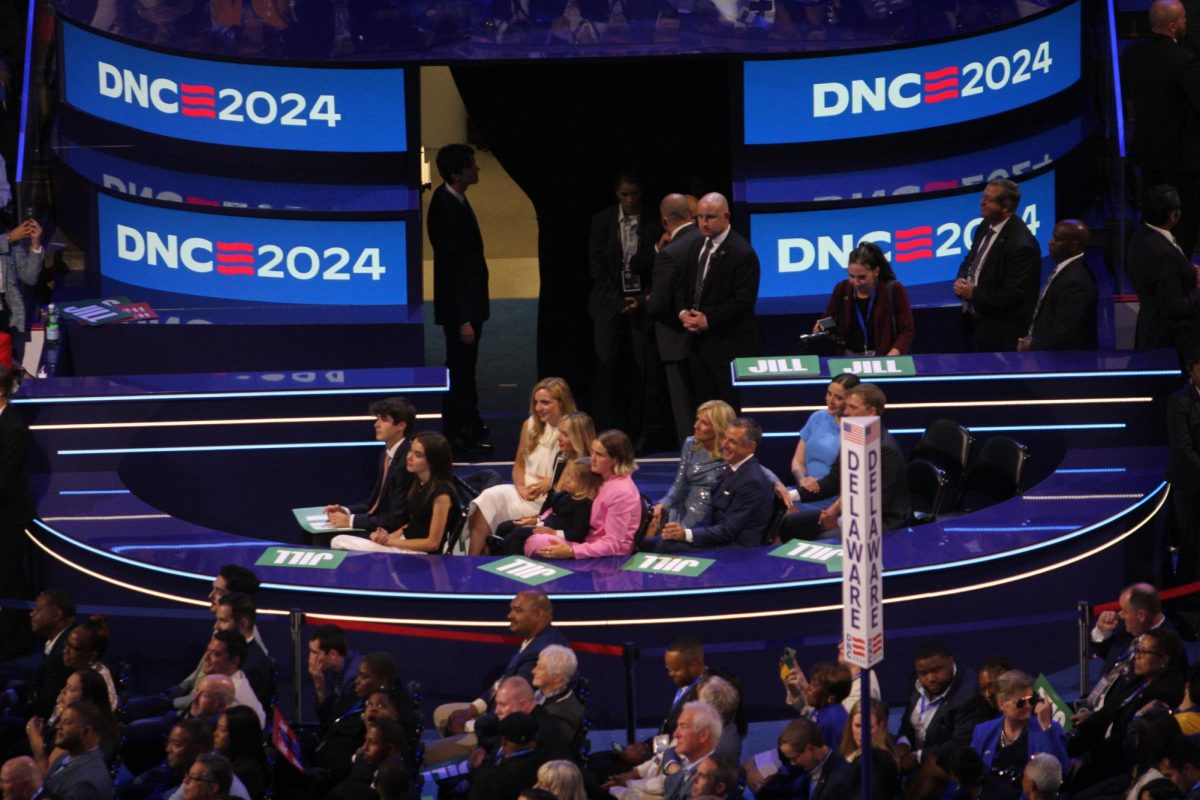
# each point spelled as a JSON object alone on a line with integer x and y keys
{"x": 812, "y": 769}
{"x": 998, "y": 280}
{"x": 460, "y": 293}
{"x": 387, "y": 504}
{"x": 716, "y": 300}
{"x": 1065, "y": 315}
{"x": 1163, "y": 277}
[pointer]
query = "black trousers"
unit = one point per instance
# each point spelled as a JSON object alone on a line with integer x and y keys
{"x": 460, "y": 405}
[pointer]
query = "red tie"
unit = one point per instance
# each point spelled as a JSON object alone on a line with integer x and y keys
{"x": 387, "y": 464}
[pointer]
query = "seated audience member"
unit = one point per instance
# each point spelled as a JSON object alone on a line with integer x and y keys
{"x": 530, "y": 616}
{"x": 726, "y": 700}
{"x": 827, "y": 688}
{"x": 741, "y": 500}
{"x": 563, "y": 779}
{"x": 820, "y": 440}
{"x": 1182, "y": 766}
{"x": 188, "y": 739}
{"x": 85, "y": 684}
{"x": 80, "y": 773}
{"x": 864, "y": 400}
{"x": 432, "y": 500}
{"x": 1158, "y": 747}
{"x": 344, "y": 733}
{"x": 393, "y": 781}
{"x": 86, "y": 644}
{"x": 333, "y": 668}
{"x": 568, "y": 514}
{"x": 224, "y": 655}
{"x": 796, "y": 683}
{"x": 701, "y": 467}
{"x": 1099, "y": 736}
{"x": 805, "y": 766}
{"x": 53, "y": 616}
{"x": 516, "y": 763}
{"x": 940, "y": 716}
{"x": 616, "y": 511}
{"x": 236, "y": 612}
{"x": 1162, "y": 789}
{"x": 209, "y": 778}
{"x": 575, "y": 434}
{"x": 239, "y": 738}
{"x": 1042, "y": 777}
{"x": 385, "y": 738}
{"x": 684, "y": 662}
{"x": 1022, "y": 730}
{"x": 1187, "y": 716}
{"x": 697, "y": 734}
{"x": 1114, "y": 636}
{"x": 20, "y": 779}
{"x": 885, "y": 773}
{"x": 870, "y": 306}
{"x": 553, "y": 677}
{"x": 397, "y": 704}
{"x": 1065, "y": 315}
{"x": 533, "y": 468}
{"x": 970, "y": 780}
{"x": 715, "y": 778}
{"x": 989, "y": 675}
{"x": 386, "y": 505}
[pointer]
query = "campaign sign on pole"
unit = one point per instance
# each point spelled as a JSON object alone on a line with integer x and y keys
{"x": 862, "y": 541}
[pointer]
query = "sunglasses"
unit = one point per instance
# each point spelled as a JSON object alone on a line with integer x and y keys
{"x": 1032, "y": 701}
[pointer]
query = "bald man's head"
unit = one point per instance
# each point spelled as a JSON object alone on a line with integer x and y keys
{"x": 712, "y": 214}
{"x": 19, "y": 778}
{"x": 1168, "y": 17}
{"x": 1070, "y": 238}
{"x": 675, "y": 211}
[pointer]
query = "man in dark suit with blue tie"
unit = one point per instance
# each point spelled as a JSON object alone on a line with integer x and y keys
{"x": 1163, "y": 277}
{"x": 741, "y": 502}
{"x": 460, "y": 293}
{"x": 998, "y": 280}
{"x": 716, "y": 300}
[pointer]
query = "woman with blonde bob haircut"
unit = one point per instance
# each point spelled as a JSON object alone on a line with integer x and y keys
{"x": 533, "y": 467}
{"x": 616, "y": 511}
{"x": 700, "y": 468}
{"x": 562, "y": 778}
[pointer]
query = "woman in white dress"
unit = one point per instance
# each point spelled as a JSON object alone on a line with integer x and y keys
{"x": 533, "y": 468}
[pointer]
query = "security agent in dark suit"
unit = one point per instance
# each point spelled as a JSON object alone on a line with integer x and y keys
{"x": 716, "y": 300}
{"x": 620, "y": 258}
{"x": 673, "y": 341}
{"x": 998, "y": 280}
{"x": 741, "y": 501}
{"x": 941, "y": 714}
{"x": 460, "y": 293}
{"x": 1065, "y": 315}
{"x": 863, "y": 400}
{"x": 1164, "y": 279}
{"x": 1183, "y": 470}
{"x": 387, "y": 504}
{"x": 1162, "y": 82}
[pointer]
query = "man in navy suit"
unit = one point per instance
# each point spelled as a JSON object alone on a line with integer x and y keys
{"x": 1065, "y": 315}
{"x": 460, "y": 293}
{"x": 674, "y": 343}
{"x": 741, "y": 502}
{"x": 1163, "y": 277}
{"x": 998, "y": 280}
{"x": 80, "y": 771}
{"x": 387, "y": 505}
{"x": 715, "y": 300}
{"x": 810, "y": 768}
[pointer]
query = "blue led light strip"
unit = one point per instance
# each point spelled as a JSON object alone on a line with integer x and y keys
{"x": 987, "y": 429}
{"x": 25, "y": 91}
{"x": 234, "y": 395}
{"x": 108, "y": 451}
{"x": 66, "y": 492}
{"x": 1004, "y": 376}
{"x": 1115, "y": 64}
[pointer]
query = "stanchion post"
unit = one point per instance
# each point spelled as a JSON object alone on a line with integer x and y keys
{"x": 864, "y": 706}
{"x": 299, "y": 663}
{"x": 629, "y": 654}
{"x": 1085, "y": 638}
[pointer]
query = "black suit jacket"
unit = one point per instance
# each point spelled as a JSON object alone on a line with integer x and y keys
{"x": 260, "y": 673}
{"x": 1066, "y": 317}
{"x": 505, "y": 780}
{"x": 460, "y": 273}
{"x": 1007, "y": 288}
{"x": 1169, "y": 305}
{"x": 1162, "y": 87}
{"x": 16, "y": 504}
{"x": 954, "y": 721}
{"x": 834, "y": 783}
{"x": 39, "y": 695}
{"x": 729, "y": 292}
{"x": 393, "y": 505}
{"x": 897, "y": 503}
{"x": 669, "y": 266}
{"x": 606, "y": 260}
{"x": 1183, "y": 436}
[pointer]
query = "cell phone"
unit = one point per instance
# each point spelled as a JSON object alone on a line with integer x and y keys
{"x": 826, "y": 323}
{"x": 617, "y": 748}
{"x": 788, "y": 659}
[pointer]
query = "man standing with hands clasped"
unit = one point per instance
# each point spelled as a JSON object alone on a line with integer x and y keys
{"x": 460, "y": 294}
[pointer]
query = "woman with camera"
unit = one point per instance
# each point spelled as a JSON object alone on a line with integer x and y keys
{"x": 870, "y": 307}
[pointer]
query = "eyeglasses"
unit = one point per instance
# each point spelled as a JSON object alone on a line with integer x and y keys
{"x": 1032, "y": 701}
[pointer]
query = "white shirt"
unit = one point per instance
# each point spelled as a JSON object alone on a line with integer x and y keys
{"x": 243, "y": 695}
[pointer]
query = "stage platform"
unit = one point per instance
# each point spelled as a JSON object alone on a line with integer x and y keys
{"x": 149, "y": 484}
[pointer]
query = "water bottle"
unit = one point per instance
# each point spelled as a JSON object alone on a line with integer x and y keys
{"x": 52, "y": 330}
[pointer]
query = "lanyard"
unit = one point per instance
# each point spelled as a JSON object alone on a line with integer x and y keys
{"x": 862, "y": 323}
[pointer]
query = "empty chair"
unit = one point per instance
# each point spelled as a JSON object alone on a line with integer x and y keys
{"x": 995, "y": 474}
{"x": 946, "y": 444}
{"x": 778, "y": 511}
{"x": 927, "y": 484}
{"x": 647, "y": 514}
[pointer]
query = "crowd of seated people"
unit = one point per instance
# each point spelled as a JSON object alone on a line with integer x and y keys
{"x": 991, "y": 733}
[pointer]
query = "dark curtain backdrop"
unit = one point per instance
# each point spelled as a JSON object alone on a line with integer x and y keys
{"x": 563, "y": 130}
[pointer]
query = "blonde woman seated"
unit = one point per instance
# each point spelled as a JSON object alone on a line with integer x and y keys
{"x": 431, "y": 498}
{"x": 616, "y": 511}
{"x": 562, "y": 778}
{"x": 533, "y": 468}
{"x": 575, "y": 434}
{"x": 568, "y": 512}
{"x": 689, "y": 499}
